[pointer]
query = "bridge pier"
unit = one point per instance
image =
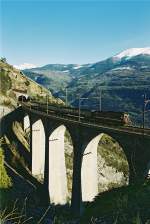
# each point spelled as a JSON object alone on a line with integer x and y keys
{"x": 57, "y": 167}
{"x": 38, "y": 149}
{"x": 85, "y": 175}
{"x": 89, "y": 170}
{"x": 26, "y": 122}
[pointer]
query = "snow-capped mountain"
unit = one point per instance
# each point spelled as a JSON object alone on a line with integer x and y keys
{"x": 132, "y": 52}
{"x": 25, "y": 66}
{"x": 131, "y": 62}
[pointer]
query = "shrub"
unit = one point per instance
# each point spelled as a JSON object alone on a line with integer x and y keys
{"x": 5, "y": 180}
{"x": 5, "y": 79}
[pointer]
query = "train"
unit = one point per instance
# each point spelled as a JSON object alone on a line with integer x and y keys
{"x": 93, "y": 116}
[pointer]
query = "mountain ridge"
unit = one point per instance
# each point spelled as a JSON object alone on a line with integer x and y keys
{"x": 133, "y": 52}
{"x": 128, "y": 52}
{"x": 123, "y": 82}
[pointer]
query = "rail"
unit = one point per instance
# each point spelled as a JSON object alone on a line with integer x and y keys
{"x": 125, "y": 129}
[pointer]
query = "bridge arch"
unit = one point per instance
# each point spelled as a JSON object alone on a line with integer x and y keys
{"x": 38, "y": 149}
{"x": 60, "y": 165}
{"x": 99, "y": 172}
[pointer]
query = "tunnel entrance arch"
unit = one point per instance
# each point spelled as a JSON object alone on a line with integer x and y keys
{"x": 104, "y": 166}
{"x": 60, "y": 165}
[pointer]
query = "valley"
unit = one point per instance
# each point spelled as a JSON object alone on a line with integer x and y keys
{"x": 121, "y": 80}
{"x": 121, "y": 89}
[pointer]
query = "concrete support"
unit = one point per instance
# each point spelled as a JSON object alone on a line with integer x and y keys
{"x": 57, "y": 168}
{"x": 38, "y": 149}
{"x": 89, "y": 170}
{"x": 26, "y": 123}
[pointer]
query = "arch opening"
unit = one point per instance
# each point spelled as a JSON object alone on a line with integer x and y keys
{"x": 68, "y": 144}
{"x": 38, "y": 150}
{"x": 60, "y": 165}
{"x": 27, "y": 128}
{"x": 104, "y": 167}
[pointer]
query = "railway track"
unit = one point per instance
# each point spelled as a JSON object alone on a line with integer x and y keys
{"x": 75, "y": 119}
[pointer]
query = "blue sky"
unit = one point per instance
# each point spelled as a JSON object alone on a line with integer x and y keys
{"x": 42, "y": 32}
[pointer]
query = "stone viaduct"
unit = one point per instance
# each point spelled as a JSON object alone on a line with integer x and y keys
{"x": 48, "y": 157}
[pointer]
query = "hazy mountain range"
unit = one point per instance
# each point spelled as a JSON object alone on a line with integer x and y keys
{"x": 122, "y": 80}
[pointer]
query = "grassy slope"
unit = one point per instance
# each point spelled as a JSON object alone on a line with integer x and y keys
{"x": 11, "y": 79}
{"x": 17, "y": 185}
{"x": 5, "y": 180}
{"x": 113, "y": 154}
{"x": 123, "y": 205}
{"x": 114, "y": 171}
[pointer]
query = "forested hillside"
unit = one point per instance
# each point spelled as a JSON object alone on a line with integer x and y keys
{"x": 121, "y": 80}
